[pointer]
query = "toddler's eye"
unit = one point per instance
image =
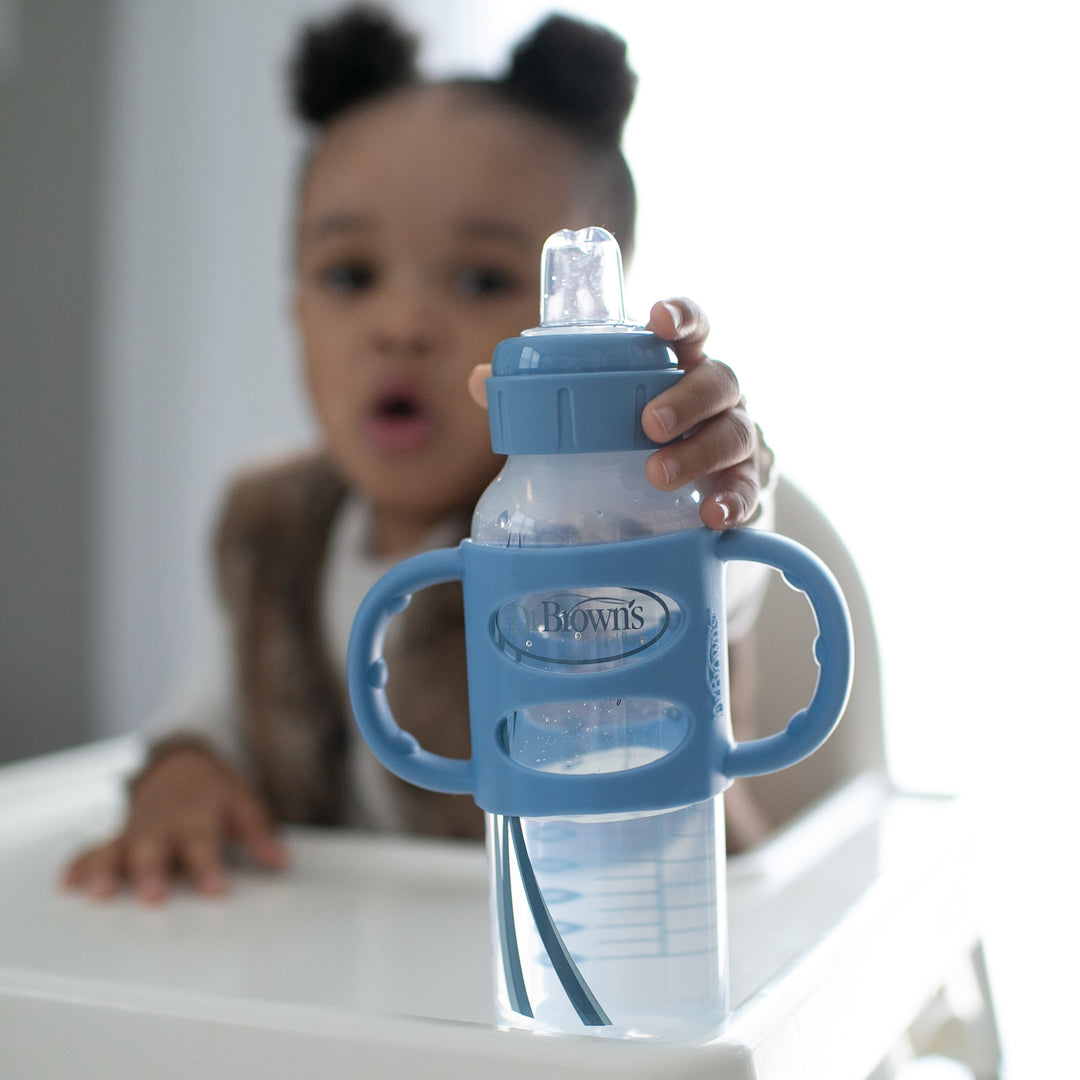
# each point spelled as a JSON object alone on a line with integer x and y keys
{"x": 480, "y": 281}
{"x": 348, "y": 277}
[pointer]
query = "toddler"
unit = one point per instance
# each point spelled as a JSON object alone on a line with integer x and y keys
{"x": 420, "y": 217}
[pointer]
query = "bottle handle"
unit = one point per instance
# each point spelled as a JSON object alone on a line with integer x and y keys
{"x": 833, "y": 650}
{"x": 396, "y": 749}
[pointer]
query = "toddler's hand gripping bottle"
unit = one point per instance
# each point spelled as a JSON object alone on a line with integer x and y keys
{"x": 598, "y": 697}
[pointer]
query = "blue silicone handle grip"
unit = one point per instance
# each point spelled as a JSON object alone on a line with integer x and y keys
{"x": 811, "y": 726}
{"x": 397, "y": 749}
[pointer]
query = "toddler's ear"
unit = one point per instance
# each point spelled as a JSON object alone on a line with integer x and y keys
{"x": 476, "y": 384}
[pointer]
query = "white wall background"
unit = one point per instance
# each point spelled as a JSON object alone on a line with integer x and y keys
{"x": 877, "y": 205}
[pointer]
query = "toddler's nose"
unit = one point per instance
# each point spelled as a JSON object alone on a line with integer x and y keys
{"x": 404, "y": 324}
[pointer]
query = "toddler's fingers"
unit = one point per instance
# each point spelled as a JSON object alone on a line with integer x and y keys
{"x": 717, "y": 444}
{"x": 730, "y": 497}
{"x": 250, "y": 823}
{"x": 708, "y": 390}
{"x": 200, "y": 855}
{"x": 685, "y": 325}
{"x": 149, "y": 858}
{"x": 96, "y": 871}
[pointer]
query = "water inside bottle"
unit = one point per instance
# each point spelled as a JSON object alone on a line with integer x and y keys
{"x": 588, "y": 737}
{"x": 634, "y": 901}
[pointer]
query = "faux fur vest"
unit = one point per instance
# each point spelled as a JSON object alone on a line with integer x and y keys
{"x": 271, "y": 549}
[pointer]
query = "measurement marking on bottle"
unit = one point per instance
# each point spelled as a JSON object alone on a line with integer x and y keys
{"x": 665, "y": 954}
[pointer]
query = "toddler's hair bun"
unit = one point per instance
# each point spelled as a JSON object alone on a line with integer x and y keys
{"x": 349, "y": 58}
{"x": 577, "y": 73}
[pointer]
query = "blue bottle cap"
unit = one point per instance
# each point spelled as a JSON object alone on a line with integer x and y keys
{"x": 579, "y": 381}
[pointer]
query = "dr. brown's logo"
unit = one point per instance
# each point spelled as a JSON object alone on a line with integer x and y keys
{"x": 582, "y": 628}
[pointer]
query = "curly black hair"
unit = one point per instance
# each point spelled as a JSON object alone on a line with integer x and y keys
{"x": 574, "y": 74}
{"x": 348, "y": 59}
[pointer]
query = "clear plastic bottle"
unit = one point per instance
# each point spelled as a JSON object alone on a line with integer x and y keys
{"x": 614, "y": 922}
{"x": 598, "y": 697}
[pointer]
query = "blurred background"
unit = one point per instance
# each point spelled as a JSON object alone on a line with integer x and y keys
{"x": 877, "y": 205}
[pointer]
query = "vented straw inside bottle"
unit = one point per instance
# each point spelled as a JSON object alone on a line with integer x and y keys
{"x": 582, "y": 280}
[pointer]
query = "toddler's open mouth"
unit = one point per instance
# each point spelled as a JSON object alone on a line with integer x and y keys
{"x": 399, "y": 421}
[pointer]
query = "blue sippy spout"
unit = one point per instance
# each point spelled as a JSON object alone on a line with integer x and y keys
{"x": 582, "y": 280}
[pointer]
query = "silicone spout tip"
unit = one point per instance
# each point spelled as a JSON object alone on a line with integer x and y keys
{"x": 582, "y": 283}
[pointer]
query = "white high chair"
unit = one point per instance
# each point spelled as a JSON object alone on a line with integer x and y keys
{"x": 955, "y": 1016}
{"x": 852, "y": 943}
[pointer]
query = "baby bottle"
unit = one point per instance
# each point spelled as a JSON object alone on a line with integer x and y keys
{"x": 598, "y": 696}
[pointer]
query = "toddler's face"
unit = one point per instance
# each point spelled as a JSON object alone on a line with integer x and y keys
{"x": 420, "y": 228}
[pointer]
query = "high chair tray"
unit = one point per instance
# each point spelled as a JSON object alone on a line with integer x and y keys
{"x": 370, "y": 957}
